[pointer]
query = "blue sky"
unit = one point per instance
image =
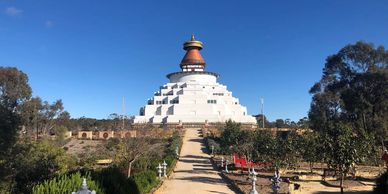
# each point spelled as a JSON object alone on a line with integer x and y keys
{"x": 91, "y": 53}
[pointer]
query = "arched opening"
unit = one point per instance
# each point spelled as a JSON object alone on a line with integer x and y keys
{"x": 84, "y": 135}
{"x": 105, "y": 135}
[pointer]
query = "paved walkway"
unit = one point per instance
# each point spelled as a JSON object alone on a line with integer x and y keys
{"x": 194, "y": 173}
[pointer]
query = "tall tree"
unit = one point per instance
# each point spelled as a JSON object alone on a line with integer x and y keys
{"x": 14, "y": 91}
{"x": 41, "y": 117}
{"x": 353, "y": 89}
{"x": 260, "y": 118}
{"x": 279, "y": 123}
{"x": 350, "y": 103}
{"x": 303, "y": 123}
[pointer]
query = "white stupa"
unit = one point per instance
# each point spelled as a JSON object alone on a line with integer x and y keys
{"x": 193, "y": 96}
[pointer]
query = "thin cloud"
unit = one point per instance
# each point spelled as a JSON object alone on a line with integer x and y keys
{"x": 13, "y": 11}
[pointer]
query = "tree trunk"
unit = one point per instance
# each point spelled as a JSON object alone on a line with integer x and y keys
{"x": 37, "y": 134}
{"x": 311, "y": 167}
{"x": 342, "y": 183}
{"x": 129, "y": 169}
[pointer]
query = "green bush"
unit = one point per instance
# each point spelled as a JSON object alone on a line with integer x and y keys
{"x": 175, "y": 141}
{"x": 35, "y": 162}
{"x": 66, "y": 184}
{"x": 114, "y": 181}
{"x": 211, "y": 142}
{"x": 145, "y": 181}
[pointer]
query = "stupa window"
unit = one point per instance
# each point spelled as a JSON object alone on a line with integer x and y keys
{"x": 174, "y": 101}
{"x": 212, "y": 101}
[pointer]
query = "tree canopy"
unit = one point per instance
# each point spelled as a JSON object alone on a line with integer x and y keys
{"x": 14, "y": 91}
{"x": 349, "y": 106}
{"x": 353, "y": 89}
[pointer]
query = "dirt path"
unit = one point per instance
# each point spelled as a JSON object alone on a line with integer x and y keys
{"x": 194, "y": 174}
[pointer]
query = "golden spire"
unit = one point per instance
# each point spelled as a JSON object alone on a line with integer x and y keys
{"x": 192, "y": 59}
{"x": 192, "y": 43}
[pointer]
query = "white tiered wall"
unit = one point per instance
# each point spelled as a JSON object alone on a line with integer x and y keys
{"x": 193, "y": 97}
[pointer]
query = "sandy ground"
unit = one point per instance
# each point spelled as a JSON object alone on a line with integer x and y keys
{"x": 318, "y": 188}
{"x": 194, "y": 174}
{"x": 76, "y": 146}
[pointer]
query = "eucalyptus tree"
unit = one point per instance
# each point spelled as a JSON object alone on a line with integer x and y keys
{"x": 14, "y": 91}
{"x": 349, "y": 106}
{"x": 353, "y": 89}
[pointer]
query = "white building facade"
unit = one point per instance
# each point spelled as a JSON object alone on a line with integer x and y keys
{"x": 193, "y": 96}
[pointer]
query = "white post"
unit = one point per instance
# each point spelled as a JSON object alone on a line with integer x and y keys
{"x": 159, "y": 170}
{"x": 222, "y": 162}
{"x": 177, "y": 152}
{"x": 226, "y": 166}
{"x": 84, "y": 189}
{"x": 276, "y": 182}
{"x": 164, "y": 168}
{"x": 253, "y": 178}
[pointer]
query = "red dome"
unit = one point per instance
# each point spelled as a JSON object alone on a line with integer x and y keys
{"x": 192, "y": 56}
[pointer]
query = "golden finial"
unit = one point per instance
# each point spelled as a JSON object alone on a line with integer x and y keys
{"x": 192, "y": 43}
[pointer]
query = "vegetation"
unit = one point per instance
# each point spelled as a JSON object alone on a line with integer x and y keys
{"x": 129, "y": 150}
{"x": 36, "y": 162}
{"x": 349, "y": 105}
{"x": 33, "y": 162}
{"x": 348, "y": 118}
{"x": 145, "y": 181}
{"x": 66, "y": 184}
{"x": 381, "y": 184}
{"x": 114, "y": 181}
{"x": 312, "y": 147}
{"x": 353, "y": 90}
{"x": 282, "y": 123}
{"x": 282, "y": 150}
{"x": 14, "y": 91}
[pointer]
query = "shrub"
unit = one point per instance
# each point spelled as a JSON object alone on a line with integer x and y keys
{"x": 114, "y": 181}
{"x": 211, "y": 142}
{"x": 176, "y": 141}
{"x": 145, "y": 181}
{"x": 36, "y": 162}
{"x": 66, "y": 184}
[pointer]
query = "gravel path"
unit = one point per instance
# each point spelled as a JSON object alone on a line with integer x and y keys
{"x": 194, "y": 174}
